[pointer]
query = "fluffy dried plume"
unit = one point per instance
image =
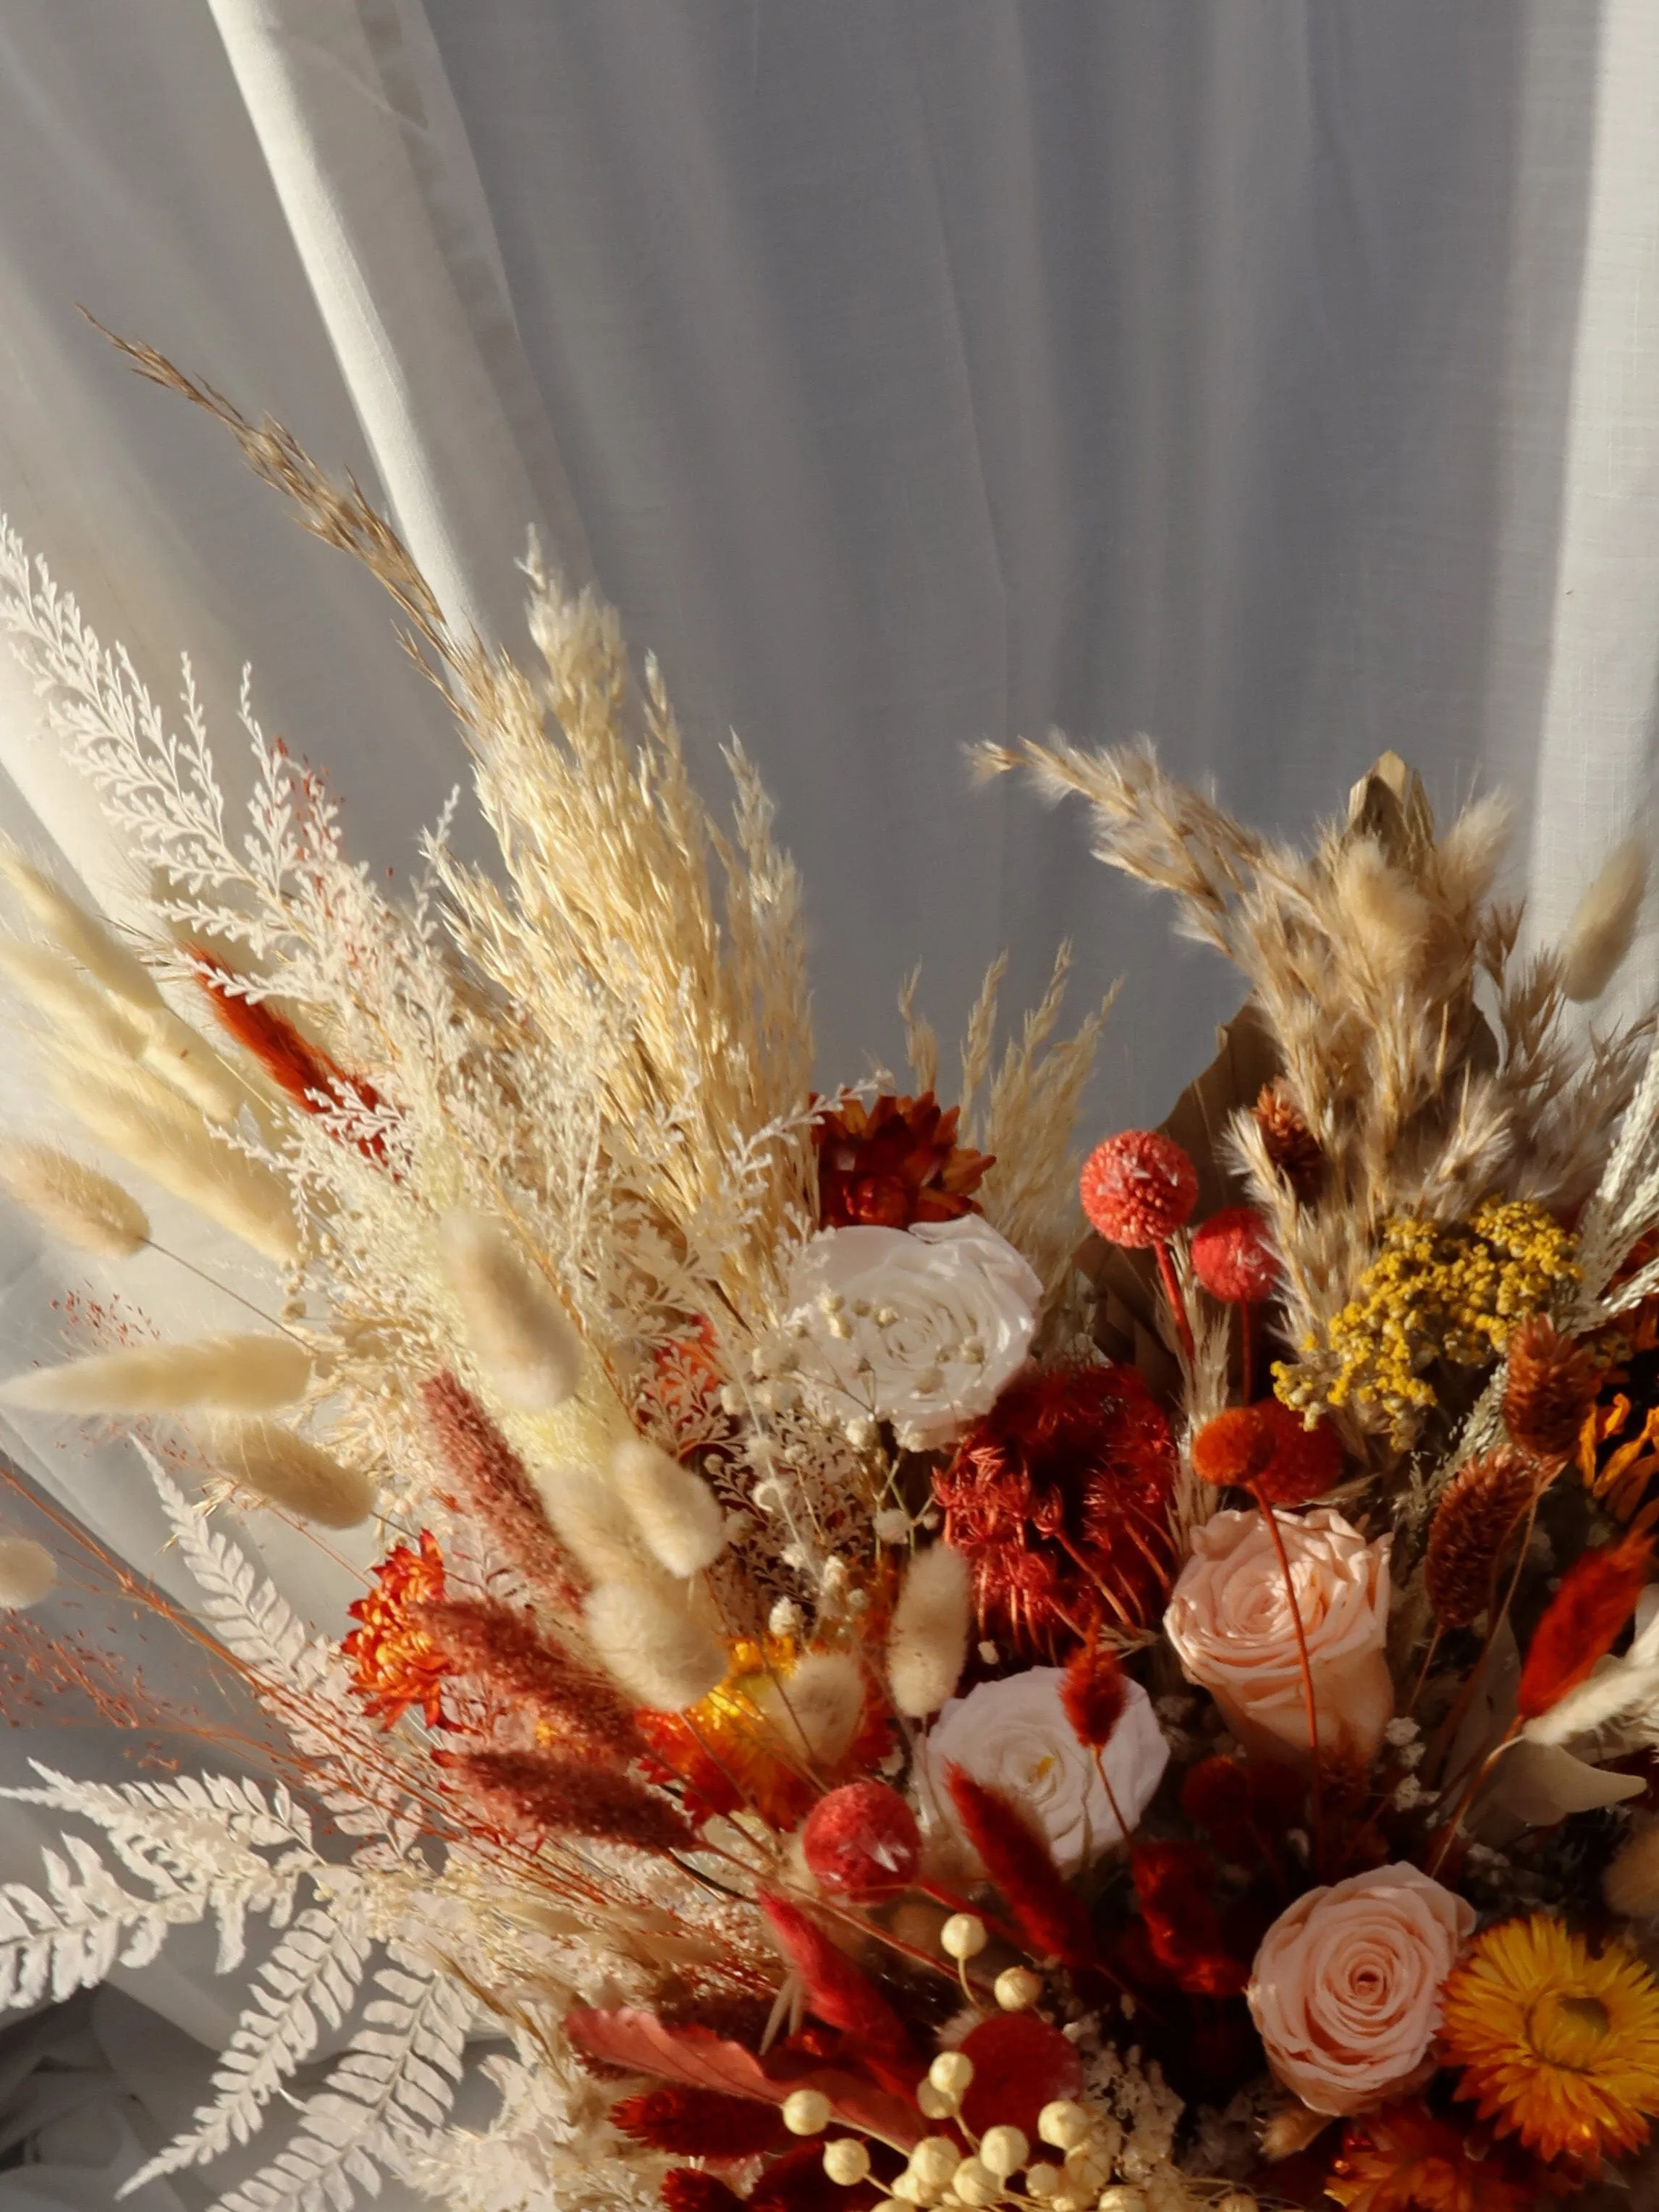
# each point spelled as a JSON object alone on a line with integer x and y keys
{"x": 927, "y": 1643}
{"x": 816, "y": 1709}
{"x": 1479, "y": 1510}
{"x": 220, "y": 1374}
{"x": 657, "y": 1649}
{"x": 501, "y": 1649}
{"x": 1604, "y": 921}
{"x": 82, "y": 935}
{"x": 492, "y": 1485}
{"x": 288, "y": 1471}
{"x": 676, "y": 1514}
{"x": 74, "y": 1008}
{"x": 517, "y": 1328}
{"x": 1050, "y": 1915}
{"x": 834, "y": 1988}
{"x": 595, "y": 1527}
{"x": 541, "y": 1794}
{"x": 28, "y": 1573}
{"x": 76, "y": 1202}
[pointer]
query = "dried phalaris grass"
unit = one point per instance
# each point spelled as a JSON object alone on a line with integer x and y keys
{"x": 676, "y": 1514}
{"x": 1604, "y": 921}
{"x": 219, "y": 1374}
{"x": 78, "y": 1203}
{"x": 82, "y": 935}
{"x": 515, "y": 1325}
{"x": 656, "y": 1648}
{"x": 288, "y": 1471}
{"x": 927, "y": 1643}
{"x": 73, "y": 1006}
{"x": 816, "y": 1708}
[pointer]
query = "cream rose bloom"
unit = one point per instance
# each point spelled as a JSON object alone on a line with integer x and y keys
{"x": 1346, "y": 1988}
{"x": 1014, "y": 1737}
{"x": 920, "y": 1326}
{"x": 1230, "y": 1622}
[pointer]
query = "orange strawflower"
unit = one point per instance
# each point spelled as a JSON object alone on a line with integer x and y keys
{"x": 1559, "y": 2046}
{"x": 894, "y": 1163}
{"x": 394, "y": 1664}
{"x": 1404, "y": 2159}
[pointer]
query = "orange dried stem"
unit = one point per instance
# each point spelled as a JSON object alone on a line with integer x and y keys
{"x": 1177, "y": 1304}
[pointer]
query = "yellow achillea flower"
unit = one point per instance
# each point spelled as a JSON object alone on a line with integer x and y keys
{"x": 1561, "y": 2047}
{"x": 1437, "y": 1290}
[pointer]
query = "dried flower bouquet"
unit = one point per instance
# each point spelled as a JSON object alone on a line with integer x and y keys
{"x": 866, "y": 1699}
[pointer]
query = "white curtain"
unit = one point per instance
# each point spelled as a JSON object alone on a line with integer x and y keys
{"x": 1282, "y": 380}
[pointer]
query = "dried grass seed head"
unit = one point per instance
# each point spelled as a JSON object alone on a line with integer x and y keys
{"x": 219, "y": 1374}
{"x": 677, "y": 1515}
{"x": 927, "y": 1643}
{"x": 656, "y": 1648}
{"x": 1603, "y": 925}
{"x": 76, "y": 1202}
{"x": 517, "y": 1328}
{"x": 288, "y": 1471}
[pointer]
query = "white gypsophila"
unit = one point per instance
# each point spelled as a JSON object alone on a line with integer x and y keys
{"x": 1014, "y": 1736}
{"x": 921, "y": 1326}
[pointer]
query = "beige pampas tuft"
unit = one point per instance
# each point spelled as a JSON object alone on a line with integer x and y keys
{"x": 1604, "y": 922}
{"x": 674, "y": 1509}
{"x": 927, "y": 1643}
{"x": 655, "y": 1650}
{"x": 161, "y": 1134}
{"x": 78, "y": 1203}
{"x": 193, "y": 1067}
{"x": 288, "y": 1471}
{"x": 1630, "y": 1884}
{"x": 817, "y": 1709}
{"x": 220, "y": 1374}
{"x": 594, "y": 1526}
{"x": 28, "y": 1573}
{"x": 71, "y": 1004}
{"x": 515, "y": 1325}
{"x": 82, "y": 935}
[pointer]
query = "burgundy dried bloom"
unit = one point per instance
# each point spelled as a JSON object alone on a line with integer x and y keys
{"x": 684, "y": 2189}
{"x": 536, "y": 1792}
{"x": 691, "y": 2122}
{"x": 1175, "y": 1886}
{"x": 894, "y": 1163}
{"x": 1139, "y": 1187}
{"x": 1050, "y": 1915}
{"x": 1233, "y": 1257}
{"x": 1094, "y": 1693}
{"x": 1059, "y": 1499}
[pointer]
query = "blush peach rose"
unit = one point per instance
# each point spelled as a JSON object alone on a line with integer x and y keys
{"x": 1346, "y": 1988}
{"x": 1230, "y": 1623}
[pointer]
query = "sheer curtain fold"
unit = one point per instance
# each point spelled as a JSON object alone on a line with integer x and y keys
{"x": 1278, "y": 380}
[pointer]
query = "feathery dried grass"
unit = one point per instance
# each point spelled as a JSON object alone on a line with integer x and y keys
{"x": 927, "y": 1643}
{"x": 73, "y": 1201}
{"x": 220, "y": 1374}
{"x": 288, "y": 1471}
{"x": 656, "y": 1648}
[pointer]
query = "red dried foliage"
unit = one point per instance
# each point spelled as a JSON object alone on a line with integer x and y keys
{"x": 862, "y": 1842}
{"x": 537, "y": 1793}
{"x": 834, "y": 1988}
{"x": 1060, "y": 1498}
{"x": 1137, "y": 1187}
{"x": 1403, "y": 2159}
{"x": 894, "y": 1163}
{"x": 492, "y": 1483}
{"x": 1244, "y": 1805}
{"x": 689, "y": 2123}
{"x": 296, "y": 1067}
{"x": 686, "y": 2190}
{"x": 1094, "y": 1692}
{"x": 1020, "y": 2064}
{"x": 393, "y": 1661}
{"x": 501, "y": 1648}
{"x": 1233, "y": 1257}
{"x": 1583, "y": 1621}
{"x": 1175, "y": 1885}
{"x": 1052, "y": 1918}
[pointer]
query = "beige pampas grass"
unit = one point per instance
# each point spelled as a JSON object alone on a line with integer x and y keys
{"x": 514, "y": 1324}
{"x": 28, "y": 1573}
{"x": 82, "y": 935}
{"x": 817, "y": 1710}
{"x": 220, "y": 1374}
{"x": 190, "y": 1064}
{"x": 1604, "y": 922}
{"x": 78, "y": 1203}
{"x": 288, "y": 1471}
{"x": 675, "y": 1512}
{"x": 594, "y": 1526}
{"x": 161, "y": 1133}
{"x": 1630, "y": 1884}
{"x": 927, "y": 1643}
{"x": 76, "y": 1008}
{"x": 655, "y": 1650}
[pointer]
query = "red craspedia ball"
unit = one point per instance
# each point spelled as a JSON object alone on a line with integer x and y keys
{"x": 1137, "y": 1187}
{"x": 1233, "y": 1258}
{"x": 1306, "y": 1462}
{"x": 1020, "y": 2064}
{"x": 862, "y": 1842}
{"x": 1236, "y": 1446}
{"x": 686, "y": 2190}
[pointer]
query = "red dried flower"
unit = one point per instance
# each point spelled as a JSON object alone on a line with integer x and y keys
{"x": 1233, "y": 1257}
{"x": 894, "y": 1163}
{"x": 689, "y": 2123}
{"x": 686, "y": 2190}
{"x": 1235, "y": 1446}
{"x": 493, "y": 1484}
{"x": 1060, "y": 1498}
{"x": 862, "y": 1842}
{"x": 1094, "y": 1692}
{"x": 1175, "y": 1885}
{"x": 1052, "y": 1918}
{"x": 1020, "y": 2064}
{"x": 1137, "y": 1189}
{"x": 393, "y": 1661}
{"x": 1583, "y": 1621}
{"x": 537, "y": 1793}
{"x": 1244, "y": 1805}
{"x": 1266, "y": 1448}
{"x": 834, "y": 1988}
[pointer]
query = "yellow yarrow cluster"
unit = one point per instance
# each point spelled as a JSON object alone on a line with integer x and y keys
{"x": 1437, "y": 1290}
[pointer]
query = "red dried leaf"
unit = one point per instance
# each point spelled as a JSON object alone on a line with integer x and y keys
{"x": 1583, "y": 1621}
{"x": 689, "y": 2123}
{"x": 1175, "y": 1883}
{"x": 1094, "y": 1693}
{"x": 637, "y": 2042}
{"x": 1052, "y": 1919}
{"x": 685, "y": 2189}
{"x": 835, "y": 1991}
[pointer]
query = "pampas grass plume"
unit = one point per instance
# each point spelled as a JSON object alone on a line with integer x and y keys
{"x": 514, "y": 1324}
{"x": 288, "y": 1471}
{"x": 82, "y": 935}
{"x": 190, "y": 1064}
{"x": 28, "y": 1573}
{"x": 219, "y": 1374}
{"x": 927, "y": 1643}
{"x": 816, "y": 1708}
{"x": 674, "y": 1509}
{"x": 1604, "y": 922}
{"x": 655, "y": 1650}
{"x": 75, "y": 1007}
{"x": 594, "y": 1526}
{"x": 75, "y": 1201}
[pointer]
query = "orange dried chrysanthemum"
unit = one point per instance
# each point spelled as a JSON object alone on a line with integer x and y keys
{"x": 394, "y": 1664}
{"x": 1403, "y": 2159}
{"x": 894, "y": 1163}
